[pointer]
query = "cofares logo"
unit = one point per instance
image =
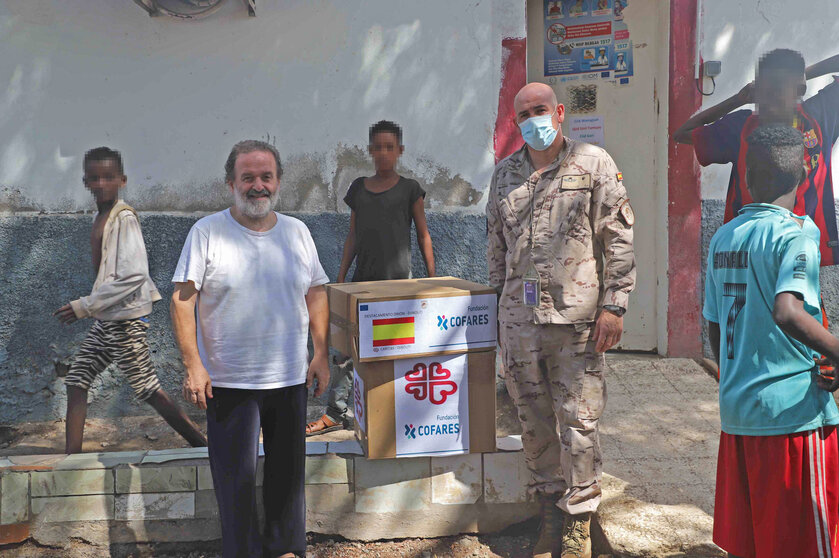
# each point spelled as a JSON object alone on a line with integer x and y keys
{"x": 426, "y": 430}
{"x": 432, "y": 382}
{"x": 470, "y": 319}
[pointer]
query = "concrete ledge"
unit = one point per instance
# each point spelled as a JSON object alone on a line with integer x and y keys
{"x": 167, "y": 496}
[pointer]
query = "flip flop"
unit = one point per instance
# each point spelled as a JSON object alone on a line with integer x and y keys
{"x": 321, "y": 426}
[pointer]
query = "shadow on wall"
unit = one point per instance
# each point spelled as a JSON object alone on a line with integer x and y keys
{"x": 433, "y": 68}
{"x": 45, "y": 262}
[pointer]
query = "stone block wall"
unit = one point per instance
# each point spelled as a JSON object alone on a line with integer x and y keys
{"x": 167, "y": 495}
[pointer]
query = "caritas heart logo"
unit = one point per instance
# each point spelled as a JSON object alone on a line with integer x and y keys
{"x": 432, "y": 383}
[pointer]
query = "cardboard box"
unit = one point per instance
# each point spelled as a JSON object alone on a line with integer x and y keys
{"x": 384, "y": 320}
{"x": 438, "y": 405}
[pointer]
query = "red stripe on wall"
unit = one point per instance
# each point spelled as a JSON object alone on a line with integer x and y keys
{"x": 507, "y": 138}
{"x": 684, "y": 217}
{"x": 391, "y": 321}
{"x": 397, "y": 341}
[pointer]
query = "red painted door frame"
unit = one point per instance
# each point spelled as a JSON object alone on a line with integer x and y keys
{"x": 684, "y": 215}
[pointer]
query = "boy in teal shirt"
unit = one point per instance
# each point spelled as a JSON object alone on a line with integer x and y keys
{"x": 777, "y": 480}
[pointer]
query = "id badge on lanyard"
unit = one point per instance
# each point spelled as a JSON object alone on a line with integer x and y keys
{"x": 531, "y": 286}
{"x": 531, "y": 283}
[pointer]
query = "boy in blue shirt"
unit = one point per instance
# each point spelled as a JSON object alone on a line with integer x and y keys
{"x": 777, "y": 474}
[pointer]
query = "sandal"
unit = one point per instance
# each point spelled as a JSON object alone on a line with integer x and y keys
{"x": 322, "y": 425}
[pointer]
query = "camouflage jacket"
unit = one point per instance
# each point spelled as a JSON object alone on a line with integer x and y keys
{"x": 582, "y": 235}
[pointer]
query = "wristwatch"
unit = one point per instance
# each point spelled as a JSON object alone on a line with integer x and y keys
{"x": 616, "y": 310}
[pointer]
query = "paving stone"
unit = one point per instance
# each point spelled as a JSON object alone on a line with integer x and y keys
{"x": 14, "y": 498}
{"x": 331, "y": 506}
{"x": 4, "y": 463}
{"x": 74, "y": 508}
{"x": 68, "y": 534}
{"x": 315, "y": 448}
{"x": 334, "y": 498}
{"x": 436, "y": 521}
{"x": 390, "y": 485}
{"x": 457, "y": 479}
{"x": 509, "y": 443}
{"x": 196, "y": 452}
{"x": 146, "y": 506}
{"x": 188, "y": 532}
{"x": 36, "y": 461}
{"x": 175, "y": 456}
{"x": 505, "y": 478}
{"x": 351, "y": 447}
{"x": 205, "y": 478}
{"x": 328, "y": 470}
{"x": 72, "y": 483}
{"x": 206, "y": 504}
{"x": 12, "y": 534}
{"x": 156, "y": 479}
{"x": 101, "y": 460}
{"x": 205, "y": 475}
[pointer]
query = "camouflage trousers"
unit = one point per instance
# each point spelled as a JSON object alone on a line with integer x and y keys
{"x": 555, "y": 379}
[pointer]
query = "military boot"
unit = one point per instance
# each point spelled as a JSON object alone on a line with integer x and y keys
{"x": 550, "y": 531}
{"x": 576, "y": 536}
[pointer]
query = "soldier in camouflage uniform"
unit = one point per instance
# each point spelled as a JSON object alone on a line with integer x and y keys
{"x": 560, "y": 256}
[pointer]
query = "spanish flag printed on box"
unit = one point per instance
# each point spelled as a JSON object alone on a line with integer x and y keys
{"x": 393, "y": 331}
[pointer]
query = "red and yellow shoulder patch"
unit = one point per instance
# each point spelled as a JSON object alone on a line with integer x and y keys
{"x": 619, "y": 176}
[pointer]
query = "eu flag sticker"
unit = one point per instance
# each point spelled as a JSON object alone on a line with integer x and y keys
{"x": 624, "y": 81}
{"x": 362, "y": 307}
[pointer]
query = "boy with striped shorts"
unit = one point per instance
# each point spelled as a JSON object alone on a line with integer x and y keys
{"x": 121, "y": 301}
{"x": 777, "y": 489}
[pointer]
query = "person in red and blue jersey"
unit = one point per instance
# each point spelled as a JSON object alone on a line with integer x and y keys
{"x": 719, "y": 136}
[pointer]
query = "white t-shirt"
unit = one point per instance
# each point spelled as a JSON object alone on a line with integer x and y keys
{"x": 252, "y": 317}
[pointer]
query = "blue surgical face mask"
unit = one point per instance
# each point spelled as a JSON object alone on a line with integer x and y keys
{"x": 538, "y": 131}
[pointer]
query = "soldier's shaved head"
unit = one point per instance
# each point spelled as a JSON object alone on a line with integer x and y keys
{"x": 532, "y": 95}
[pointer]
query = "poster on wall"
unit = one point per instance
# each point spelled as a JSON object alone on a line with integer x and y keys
{"x": 588, "y": 38}
{"x": 585, "y": 128}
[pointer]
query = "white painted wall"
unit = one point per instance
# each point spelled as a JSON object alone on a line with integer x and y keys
{"x": 174, "y": 96}
{"x": 738, "y": 32}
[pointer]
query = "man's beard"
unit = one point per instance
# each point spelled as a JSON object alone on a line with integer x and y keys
{"x": 255, "y": 207}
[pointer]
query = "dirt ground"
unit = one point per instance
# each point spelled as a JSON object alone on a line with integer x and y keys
{"x": 513, "y": 543}
{"x": 108, "y": 434}
{"x": 151, "y": 432}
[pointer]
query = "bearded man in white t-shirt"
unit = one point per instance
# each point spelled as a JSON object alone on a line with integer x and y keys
{"x": 253, "y": 279}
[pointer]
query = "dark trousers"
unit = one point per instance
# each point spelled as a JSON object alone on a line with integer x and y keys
{"x": 234, "y": 418}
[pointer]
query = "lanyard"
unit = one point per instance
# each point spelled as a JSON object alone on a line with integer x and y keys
{"x": 531, "y": 188}
{"x": 532, "y": 192}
